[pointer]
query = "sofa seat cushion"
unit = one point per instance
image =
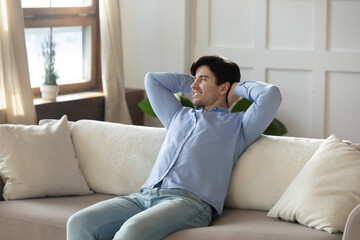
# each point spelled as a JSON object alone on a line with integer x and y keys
{"x": 252, "y": 225}
{"x": 45, "y": 218}
{"x": 41, "y": 218}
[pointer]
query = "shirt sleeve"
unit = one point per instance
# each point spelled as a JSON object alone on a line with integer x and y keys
{"x": 160, "y": 88}
{"x": 266, "y": 102}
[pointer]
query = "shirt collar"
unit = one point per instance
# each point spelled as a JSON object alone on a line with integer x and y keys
{"x": 214, "y": 109}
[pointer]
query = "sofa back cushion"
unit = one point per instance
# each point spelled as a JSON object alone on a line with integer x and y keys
{"x": 266, "y": 168}
{"x": 115, "y": 158}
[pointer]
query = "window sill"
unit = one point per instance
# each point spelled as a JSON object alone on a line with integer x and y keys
{"x": 70, "y": 97}
{"x": 84, "y": 105}
{"x": 87, "y": 105}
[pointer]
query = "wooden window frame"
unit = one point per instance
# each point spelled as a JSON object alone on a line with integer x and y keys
{"x": 71, "y": 16}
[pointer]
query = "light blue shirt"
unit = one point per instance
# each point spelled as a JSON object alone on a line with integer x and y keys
{"x": 201, "y": 147}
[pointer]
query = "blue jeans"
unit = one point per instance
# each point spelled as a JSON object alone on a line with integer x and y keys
{"x": 153, "y": 214}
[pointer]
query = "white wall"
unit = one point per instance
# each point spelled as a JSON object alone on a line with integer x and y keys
{"x": 309, "y": 48}
{"x": 154, "y": 39}
{"x": 153, "y": 32}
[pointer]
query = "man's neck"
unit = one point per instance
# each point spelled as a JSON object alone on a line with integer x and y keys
{"x": 208, "y": 108}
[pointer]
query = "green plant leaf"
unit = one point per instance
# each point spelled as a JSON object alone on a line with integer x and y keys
{"x": 276, "y": 128}
{"x": 48, "y": 52}
{"x": 241, "y": 105}
{"x": 145, "y": 106}
{"x": 184, "y": 100}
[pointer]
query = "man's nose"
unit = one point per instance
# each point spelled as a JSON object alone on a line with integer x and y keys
{"x": 194, "y": 84}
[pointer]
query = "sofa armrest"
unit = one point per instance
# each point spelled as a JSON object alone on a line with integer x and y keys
{"x": 352, "y": 227}
{"x": 1, "y": 189}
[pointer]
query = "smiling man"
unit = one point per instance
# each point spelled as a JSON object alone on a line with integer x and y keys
{"x": 204, "y": 90}
{"x": 189, "y": 180}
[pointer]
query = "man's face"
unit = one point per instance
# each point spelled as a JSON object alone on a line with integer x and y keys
{"x": 205, "y": 92}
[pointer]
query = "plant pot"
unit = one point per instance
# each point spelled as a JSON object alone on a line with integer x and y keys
{"x": 49, "y": 92}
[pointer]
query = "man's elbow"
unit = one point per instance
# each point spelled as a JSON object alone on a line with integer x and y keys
{"x": 149, "y": 76}
{"x": 275, "y": 92}
{"x": 150, "y": 80}
{"x": 274, "y": 96}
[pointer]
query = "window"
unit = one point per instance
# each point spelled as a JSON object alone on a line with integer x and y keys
{"x": 74, "y": 28}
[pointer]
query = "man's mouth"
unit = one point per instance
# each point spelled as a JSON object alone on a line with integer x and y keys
{"x": 196, "y": 93}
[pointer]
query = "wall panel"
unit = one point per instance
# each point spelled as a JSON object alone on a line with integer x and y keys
{"x": 243, "y": 35}
{"x": 343, "y": 105}
{"x": 296, "y": 109}
{"x": 247, "y": 73}
{"x": 344, "y": 29}
{"x": 291, "y": 24}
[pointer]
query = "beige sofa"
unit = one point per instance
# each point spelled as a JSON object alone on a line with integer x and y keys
{"x": 115, "y": 159}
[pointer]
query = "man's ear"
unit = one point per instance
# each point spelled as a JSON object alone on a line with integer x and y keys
{"x": 224, "y": 88}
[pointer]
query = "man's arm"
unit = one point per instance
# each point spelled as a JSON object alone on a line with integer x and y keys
{"x": 259, "y": 115}
{"x": 160, "y": 88}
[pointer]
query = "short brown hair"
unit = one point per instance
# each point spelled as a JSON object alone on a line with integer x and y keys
{"x": 223, "y": 69}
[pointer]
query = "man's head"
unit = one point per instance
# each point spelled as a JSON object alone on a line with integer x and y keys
{"x": 214, "y": 76}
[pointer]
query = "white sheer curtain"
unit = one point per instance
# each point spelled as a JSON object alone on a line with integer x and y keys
{"x": 16, "y": 99}
{"x": 116, "y": 109}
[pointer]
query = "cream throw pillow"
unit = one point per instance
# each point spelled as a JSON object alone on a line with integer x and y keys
{"x": 325, "y": 191}
{"x": 39, "y": 161}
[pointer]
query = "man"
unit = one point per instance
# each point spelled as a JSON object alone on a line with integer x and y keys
{"x": 189, "y": 180}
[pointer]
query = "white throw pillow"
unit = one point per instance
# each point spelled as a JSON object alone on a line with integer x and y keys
{"x": 266, "y": 168}
{"x": 116, "y": 158}
{"x": 45, "y": 121}
{"x": 325, "y": 191}
{"x": 39, "y": 161}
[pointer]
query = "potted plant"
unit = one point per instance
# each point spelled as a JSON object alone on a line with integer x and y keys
{"x": 49, "y": 89}
{"x": 275, "y": 128}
